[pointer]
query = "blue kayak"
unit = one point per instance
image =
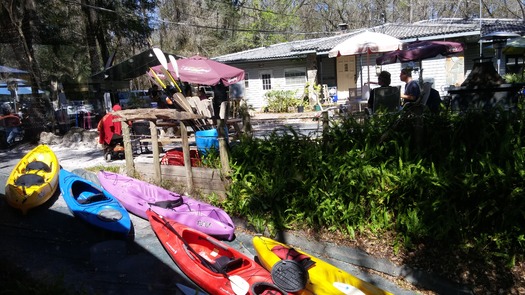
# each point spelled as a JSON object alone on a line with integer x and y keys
{"x": 91, "y": 203}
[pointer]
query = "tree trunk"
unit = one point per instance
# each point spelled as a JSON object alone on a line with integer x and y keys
{"x": 91, "y": 26}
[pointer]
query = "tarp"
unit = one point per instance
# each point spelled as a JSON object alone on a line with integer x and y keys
{"x": 119, "y": 75}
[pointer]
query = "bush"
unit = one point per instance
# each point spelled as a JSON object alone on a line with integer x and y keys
{"x": 280, "y": 101}
{"x": 463, "y": 187}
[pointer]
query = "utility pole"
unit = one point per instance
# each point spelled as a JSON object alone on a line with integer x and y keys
{"x": 480, "y": 27}
{"x": 411, "y": 10}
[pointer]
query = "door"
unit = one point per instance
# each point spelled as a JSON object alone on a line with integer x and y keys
{"x": 345, "y": 76}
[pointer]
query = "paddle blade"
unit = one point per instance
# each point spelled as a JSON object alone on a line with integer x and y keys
{"x": 175, "y": 65}
{"x": 161, "y": 57}
{"x": 239, "y": 285}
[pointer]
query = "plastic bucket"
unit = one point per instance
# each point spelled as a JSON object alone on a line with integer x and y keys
{"x": 207, "y": 140}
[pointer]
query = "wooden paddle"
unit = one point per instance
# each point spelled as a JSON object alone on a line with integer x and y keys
{"x": 239, "y": 285}
{"x": 175, "y": 65}
{"x": 164, "y": 63}
{"x": 176, "y": 97}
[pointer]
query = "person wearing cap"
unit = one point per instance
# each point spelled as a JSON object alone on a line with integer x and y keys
{"x": 109, "y": 130}
{"x": 412, "y": 91}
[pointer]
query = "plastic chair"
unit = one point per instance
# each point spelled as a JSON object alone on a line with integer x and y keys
{"x": 426, "y": 92}
{"x": 387, "y": 99}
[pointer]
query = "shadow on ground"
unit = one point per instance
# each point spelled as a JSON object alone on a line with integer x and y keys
{"x": 53, "y": 244}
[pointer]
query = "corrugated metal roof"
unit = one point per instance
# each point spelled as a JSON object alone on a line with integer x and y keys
{"x": 438, "y": 28}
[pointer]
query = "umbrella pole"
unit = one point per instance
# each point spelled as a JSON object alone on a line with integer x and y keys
{"x": 361, "y": 71}
{"x": 368, "y": 65}
{"x": 421, "y": 73}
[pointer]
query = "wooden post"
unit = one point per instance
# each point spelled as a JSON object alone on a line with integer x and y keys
{"x": 155, "y": 147}
{"x": 187, "y": 156}
{"x": 223, "y": 147}
{"x": 128, "y": 149}
{"x": 326, "y": 122}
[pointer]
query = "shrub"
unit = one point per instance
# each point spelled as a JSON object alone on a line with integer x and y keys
{"x": 457, "y": 180}
{"x": 280, "y": 101}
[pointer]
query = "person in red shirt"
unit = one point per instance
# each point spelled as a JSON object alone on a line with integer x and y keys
{"x": 110, "y": 131}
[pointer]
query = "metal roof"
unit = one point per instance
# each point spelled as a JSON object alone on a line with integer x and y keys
{"x": 423, "y": 30}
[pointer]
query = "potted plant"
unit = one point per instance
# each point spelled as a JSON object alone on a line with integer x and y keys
{"x": 302, "y": 103}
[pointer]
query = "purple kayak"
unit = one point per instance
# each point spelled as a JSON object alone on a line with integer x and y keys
{"x": 137, "y": 196}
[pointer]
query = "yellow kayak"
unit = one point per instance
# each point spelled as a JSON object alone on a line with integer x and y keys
{"x": 324, "y": 278}
{"x": 33, "y": 180}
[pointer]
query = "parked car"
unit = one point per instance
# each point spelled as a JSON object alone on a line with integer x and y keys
{"x": 134, "y": 99}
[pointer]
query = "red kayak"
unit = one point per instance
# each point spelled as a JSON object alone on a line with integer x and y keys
{"x": 213, "y": 265}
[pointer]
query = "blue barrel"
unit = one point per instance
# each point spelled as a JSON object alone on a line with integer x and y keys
{"x": 208, "y": 139}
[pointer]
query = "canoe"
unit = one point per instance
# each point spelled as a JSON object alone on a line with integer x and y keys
{"x": 137, "y": 196}
{"x": 93, "y": 204}
{"x": 33, "y": 180}
{"x": 211, "y": 264}
{"x": 324, "y": 278}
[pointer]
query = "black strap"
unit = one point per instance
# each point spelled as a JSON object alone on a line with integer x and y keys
{"x": 168, "y": 204}
{"x": 29, "y": 179}
{"x": 38, "y": 165}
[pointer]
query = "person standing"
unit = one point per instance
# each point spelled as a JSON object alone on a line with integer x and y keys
{"x": 220, "y": 95}
{"x": 412, "y": 91}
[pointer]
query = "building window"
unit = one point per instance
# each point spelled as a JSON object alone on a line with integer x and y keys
{"x": 246, "y": 79}
{"x": 295, "y": 76}
{"x": 266, "y": 81}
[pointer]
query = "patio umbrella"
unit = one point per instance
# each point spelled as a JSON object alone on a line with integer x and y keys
{"x": 366, "y": 42}
{"x": 201, "y": 70}
{"x": 419, "y": 50}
